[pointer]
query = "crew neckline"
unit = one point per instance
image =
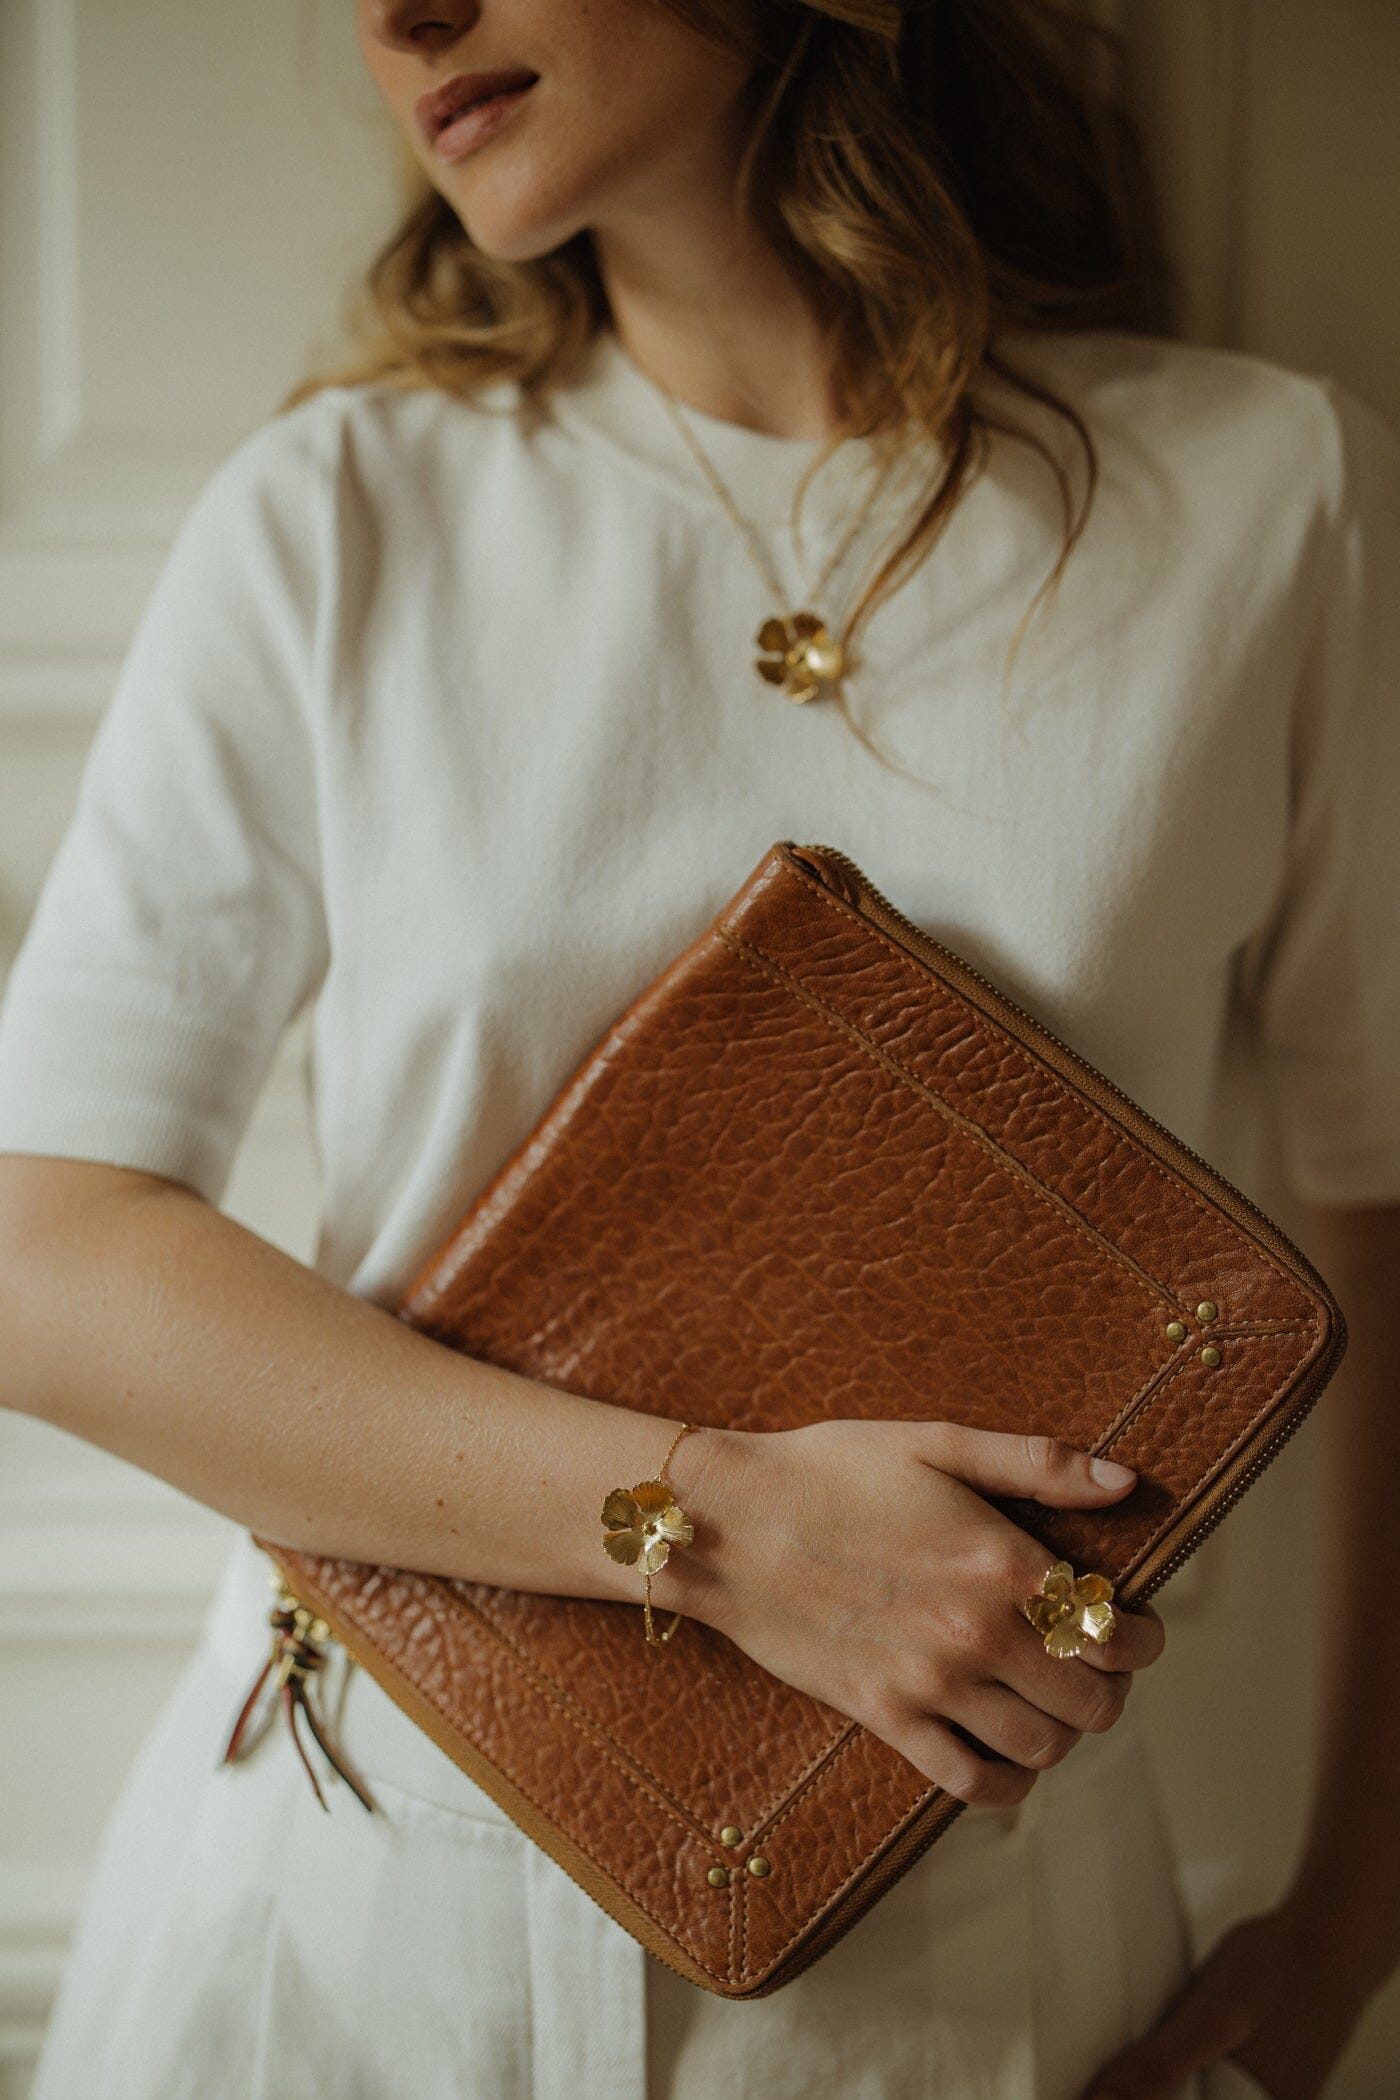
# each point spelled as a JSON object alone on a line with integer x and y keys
{"x": 612, "y": 400}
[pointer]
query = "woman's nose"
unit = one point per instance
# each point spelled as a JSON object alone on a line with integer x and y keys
{"x": 420, "y": 25}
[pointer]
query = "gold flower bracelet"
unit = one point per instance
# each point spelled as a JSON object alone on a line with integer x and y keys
{"x": 642, "y": 1523}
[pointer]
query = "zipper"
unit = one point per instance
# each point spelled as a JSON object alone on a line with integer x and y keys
{"x": 841, "y": 875}
{"x": 1226, "y": 1491}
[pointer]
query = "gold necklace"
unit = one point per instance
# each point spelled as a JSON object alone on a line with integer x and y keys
{"x": 801, "y": 653}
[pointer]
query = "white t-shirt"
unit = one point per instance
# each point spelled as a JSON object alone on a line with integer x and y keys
{"x": 452, "y": 724}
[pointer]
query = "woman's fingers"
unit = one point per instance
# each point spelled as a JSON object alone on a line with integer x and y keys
{"x": 1010, "y": 1725}
{"x": 1138, "y": 1638}
{"x": 940, "y": 1753}
{"x": 1041, "y": 1705}
{"x": 1004, "y": 1462}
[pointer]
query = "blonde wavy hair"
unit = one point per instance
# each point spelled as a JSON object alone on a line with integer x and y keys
{"x": 934, "y": 174}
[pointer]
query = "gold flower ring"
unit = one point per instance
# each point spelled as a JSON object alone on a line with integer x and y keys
{"x": 1069, "y": 1610}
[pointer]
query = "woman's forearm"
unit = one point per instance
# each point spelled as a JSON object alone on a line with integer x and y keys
{"x": 1348, "y": 1878}
{"x": 140, "y": 1318}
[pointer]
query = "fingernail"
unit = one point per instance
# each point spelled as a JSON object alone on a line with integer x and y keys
{"x": 1111, "y": 1474}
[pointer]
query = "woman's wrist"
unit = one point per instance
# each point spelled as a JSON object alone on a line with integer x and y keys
{"x": 710, "y": 1479}
{"x": 720, "y": 1479}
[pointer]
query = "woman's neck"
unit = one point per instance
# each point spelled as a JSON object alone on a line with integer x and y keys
{"x": 727, "y": 333}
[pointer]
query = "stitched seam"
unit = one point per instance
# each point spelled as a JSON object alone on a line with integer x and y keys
{"x": 1138, "y": 1401}
{"x": 1114, "y": 1130}
{"x": 664, "y": 1802}
{"x": 584, "y": 1721}
{"x": 792, "y": 1806}
{"x": 805, "y": 1783}
{"x": 790, "y": 1788}
{"x": 585, "y": 1724}
{"x": 799, "y": 1795}
{"x": 757, "y": 959}
{"x": 743, "y": 1908}
{"x": 919, "y": 1802}
{"x": 1236, "y": 1328}
{"x": 1160, "y": 1378}
{"x": 644, "y": 1785}
{"x": 813, "y": 1766}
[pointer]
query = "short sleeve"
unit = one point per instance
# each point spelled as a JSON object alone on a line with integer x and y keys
{"x": 1324, "y": 976}
{"x": 180, "y": 926}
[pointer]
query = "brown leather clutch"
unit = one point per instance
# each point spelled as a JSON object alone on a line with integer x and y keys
{"x": 819, "y": 1167}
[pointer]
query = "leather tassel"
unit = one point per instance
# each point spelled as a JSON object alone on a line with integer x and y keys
{"x": 295, "y": 1660}
{"x": 231, "y": 1748}
{"x": 293, "y": 1697}
{"x": 331, "y": 1752}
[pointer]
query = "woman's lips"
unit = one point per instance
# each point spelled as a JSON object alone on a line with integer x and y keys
{"x": 477, "y": 124}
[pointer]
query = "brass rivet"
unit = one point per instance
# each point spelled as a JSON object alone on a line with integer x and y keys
{"x": 1175, "y": 1331}
{"x": 758, "y": 1864}
{"x": 1207, "y": 1309}
{"x": 1210, "y": 1356}
{"x": 718, "y": 1877}
{"x": 730, "y": 1835}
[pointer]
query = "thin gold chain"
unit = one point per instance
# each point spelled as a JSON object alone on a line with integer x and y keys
{"x": 756, "y": 552}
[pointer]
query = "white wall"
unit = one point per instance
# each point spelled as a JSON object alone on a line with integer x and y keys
{"x": 169, "y": 262}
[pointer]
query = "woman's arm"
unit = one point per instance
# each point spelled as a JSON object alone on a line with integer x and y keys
{"x": 142, "y": 1319}
{"x": 1347, "y": 1885}
{"x": 139, "y": 1317}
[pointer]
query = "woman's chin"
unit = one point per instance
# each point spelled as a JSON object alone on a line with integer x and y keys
{"x": 509, "y": 225}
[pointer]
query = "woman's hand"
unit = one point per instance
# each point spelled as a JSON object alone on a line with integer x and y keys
{"x": 860, "y": 1562}
{"x": 1267, "y": 1996}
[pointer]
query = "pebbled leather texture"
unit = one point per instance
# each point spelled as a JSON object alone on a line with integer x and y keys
{"x": 808, "y": 1174}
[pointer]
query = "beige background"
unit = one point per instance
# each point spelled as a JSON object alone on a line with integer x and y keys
{"x": 171, "y": 256}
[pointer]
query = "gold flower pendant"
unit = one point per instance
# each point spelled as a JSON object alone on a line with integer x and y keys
{"x": 800, "y": 655}
{"x": 1068, "y": 1611}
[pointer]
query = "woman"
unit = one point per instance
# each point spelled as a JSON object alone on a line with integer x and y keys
{"x": 444, "y": 712}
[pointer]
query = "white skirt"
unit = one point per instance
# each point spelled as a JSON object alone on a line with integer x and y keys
{"x": 236, "y": 1940}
